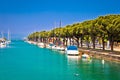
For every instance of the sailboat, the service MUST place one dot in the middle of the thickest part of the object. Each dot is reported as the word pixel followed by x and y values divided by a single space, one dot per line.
pixel 58 47
pixel 2 41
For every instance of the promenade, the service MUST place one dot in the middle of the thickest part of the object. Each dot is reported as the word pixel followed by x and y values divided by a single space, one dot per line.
pixel 106 54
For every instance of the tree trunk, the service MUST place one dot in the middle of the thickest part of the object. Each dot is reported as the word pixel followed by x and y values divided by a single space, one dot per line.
pixel 88 44
pixel 70 40
pixel 66 41
pixel 93 40
pixel 63 41
pixel 93 44
pixel 112 43
pixel 81 42
pixel 77 42
pixel 103 43
pixel 73 41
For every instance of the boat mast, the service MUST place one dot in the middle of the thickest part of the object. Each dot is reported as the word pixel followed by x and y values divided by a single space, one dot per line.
pixel 60 23
pixel 54 33
pixel 35 35
pixel 60 27
pixel 8 35
pixel 39 38
pixel 59 33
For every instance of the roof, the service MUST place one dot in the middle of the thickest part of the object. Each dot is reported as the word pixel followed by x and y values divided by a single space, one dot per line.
pixel 72 47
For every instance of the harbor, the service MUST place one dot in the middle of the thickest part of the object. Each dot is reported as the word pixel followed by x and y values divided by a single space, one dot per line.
pixel 60 40
pixel 90 53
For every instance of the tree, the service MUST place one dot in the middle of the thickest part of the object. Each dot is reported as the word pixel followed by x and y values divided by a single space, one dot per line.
pixel 102 30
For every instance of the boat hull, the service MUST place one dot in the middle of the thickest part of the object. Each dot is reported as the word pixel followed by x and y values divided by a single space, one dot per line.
pixel 72 52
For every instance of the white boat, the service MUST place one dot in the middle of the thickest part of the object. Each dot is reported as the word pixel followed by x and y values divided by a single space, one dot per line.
pixel 8 42
pixel 2 44
pixel 29 42
pixel 49 46
pixel 42 45
pixel 35 43
pixel 85 56
pixel 54 47
pixel 59 48
pixel 72 50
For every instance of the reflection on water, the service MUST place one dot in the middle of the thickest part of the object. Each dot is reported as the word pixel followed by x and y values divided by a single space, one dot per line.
pixel 103 62
pixel 73 59
pixel 86 60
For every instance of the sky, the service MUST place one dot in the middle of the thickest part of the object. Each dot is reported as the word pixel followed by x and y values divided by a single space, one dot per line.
pixel 22 17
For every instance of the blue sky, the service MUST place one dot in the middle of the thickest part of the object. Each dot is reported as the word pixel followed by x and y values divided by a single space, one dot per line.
pixel 22 17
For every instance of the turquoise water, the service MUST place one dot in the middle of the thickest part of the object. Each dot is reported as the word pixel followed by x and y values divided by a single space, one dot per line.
pixel 23 61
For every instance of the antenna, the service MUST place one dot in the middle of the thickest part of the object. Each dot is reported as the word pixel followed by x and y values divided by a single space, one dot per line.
pixel 8 35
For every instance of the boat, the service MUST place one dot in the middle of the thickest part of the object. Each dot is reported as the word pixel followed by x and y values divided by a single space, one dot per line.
pixel 60 48
pixel 49 46
pixel 85 56
pixel 41 45
pixel 54 47
pixel 72 50
pixel 2 43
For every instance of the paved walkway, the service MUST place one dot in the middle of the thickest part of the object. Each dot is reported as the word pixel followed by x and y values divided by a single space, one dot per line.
pixel 115 54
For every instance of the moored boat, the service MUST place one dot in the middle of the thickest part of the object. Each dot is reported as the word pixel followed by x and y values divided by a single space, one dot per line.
pixel 72 50
pixel 85 56
pixel 60 48
pixel 2 43
pixel 42 45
